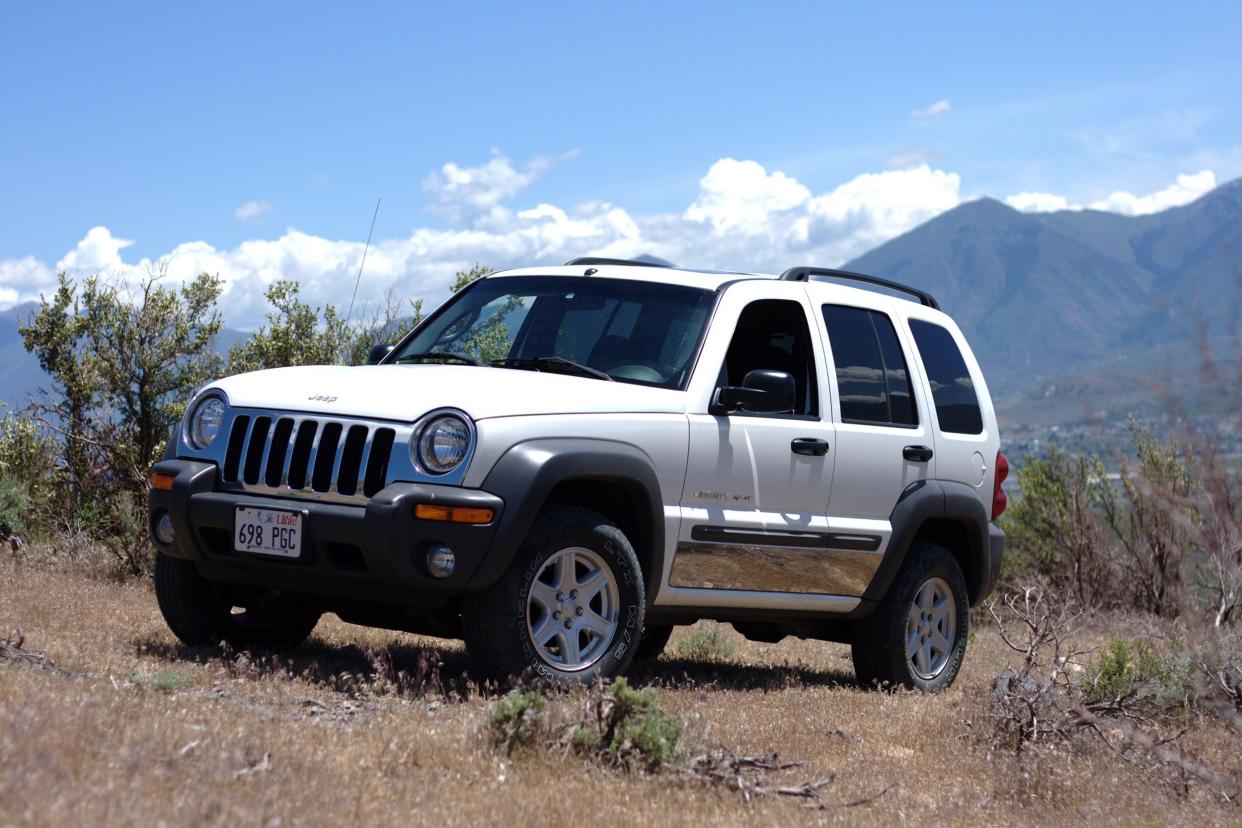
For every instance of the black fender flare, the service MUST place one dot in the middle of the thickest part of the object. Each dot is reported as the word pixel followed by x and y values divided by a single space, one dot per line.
pixel 926 500
pixel 527 473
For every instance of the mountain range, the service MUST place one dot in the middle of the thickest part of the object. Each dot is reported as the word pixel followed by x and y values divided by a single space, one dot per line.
pixel 1074 304
pixel 1091 308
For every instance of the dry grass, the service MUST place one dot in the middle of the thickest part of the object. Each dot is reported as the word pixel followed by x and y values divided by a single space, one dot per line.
pixel 135 729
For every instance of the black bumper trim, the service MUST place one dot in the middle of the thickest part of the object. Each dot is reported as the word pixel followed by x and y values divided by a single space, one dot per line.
pixel 373 553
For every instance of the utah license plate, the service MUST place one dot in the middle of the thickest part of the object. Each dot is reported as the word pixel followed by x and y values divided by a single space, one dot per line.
pixel 268 532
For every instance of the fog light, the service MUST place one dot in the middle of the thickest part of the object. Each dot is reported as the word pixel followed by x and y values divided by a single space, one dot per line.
pixel 440 561
pixel 164 529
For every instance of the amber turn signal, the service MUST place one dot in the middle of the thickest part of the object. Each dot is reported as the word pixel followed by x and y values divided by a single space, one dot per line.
pixel 453 514
pixel 162 482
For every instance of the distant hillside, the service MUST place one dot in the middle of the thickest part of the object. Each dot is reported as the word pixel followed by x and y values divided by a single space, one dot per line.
pixel 1074 293
pixel 20 374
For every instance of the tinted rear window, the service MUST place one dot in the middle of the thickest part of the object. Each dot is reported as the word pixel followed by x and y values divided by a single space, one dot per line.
pixel 957 404
pixel 872 379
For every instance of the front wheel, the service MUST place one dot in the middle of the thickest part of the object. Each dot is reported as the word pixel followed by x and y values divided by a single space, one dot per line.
pixel 569 608
pixel 202 614
pixel 916 637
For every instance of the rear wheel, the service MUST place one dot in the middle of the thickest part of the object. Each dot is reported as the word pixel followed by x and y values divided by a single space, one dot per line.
pixel 916 637
pixel 202 614
pixel 569 608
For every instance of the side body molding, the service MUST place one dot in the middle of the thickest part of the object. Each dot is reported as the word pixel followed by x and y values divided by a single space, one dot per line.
pixel 528 472
pixel 943 500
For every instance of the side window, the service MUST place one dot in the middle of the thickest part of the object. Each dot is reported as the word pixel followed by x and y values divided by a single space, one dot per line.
pixel 773 334
pixel 957 404
pixel 873 381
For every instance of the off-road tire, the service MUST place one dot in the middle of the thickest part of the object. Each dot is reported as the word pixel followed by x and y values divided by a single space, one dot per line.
pixel 879 641
pixel 495 621
pixel 199 616
pixel 654 639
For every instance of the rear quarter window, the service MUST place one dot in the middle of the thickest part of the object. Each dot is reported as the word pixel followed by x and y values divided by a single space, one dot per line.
pixel 872 381
pixel 953 390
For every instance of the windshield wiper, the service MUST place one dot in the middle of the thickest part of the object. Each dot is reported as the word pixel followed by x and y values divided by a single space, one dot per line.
pixel 552 361
pixel 448 355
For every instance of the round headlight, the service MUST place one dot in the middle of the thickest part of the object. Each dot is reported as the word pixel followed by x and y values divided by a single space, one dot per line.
pixel 443 444
pixel 205 422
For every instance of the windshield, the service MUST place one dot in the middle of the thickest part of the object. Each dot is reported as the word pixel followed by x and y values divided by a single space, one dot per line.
pixel 628 331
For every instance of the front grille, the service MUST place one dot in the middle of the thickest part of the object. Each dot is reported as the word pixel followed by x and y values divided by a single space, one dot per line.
pixel 295 456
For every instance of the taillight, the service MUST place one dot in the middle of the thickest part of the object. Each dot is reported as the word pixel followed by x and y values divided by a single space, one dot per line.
pixel 999 501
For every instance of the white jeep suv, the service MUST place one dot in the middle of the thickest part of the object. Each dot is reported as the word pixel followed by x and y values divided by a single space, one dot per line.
pixel 562 463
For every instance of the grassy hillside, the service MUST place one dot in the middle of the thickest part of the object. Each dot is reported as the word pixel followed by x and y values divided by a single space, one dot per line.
pixel 364 727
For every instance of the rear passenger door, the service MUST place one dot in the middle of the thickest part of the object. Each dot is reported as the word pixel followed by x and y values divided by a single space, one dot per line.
pixel 884 436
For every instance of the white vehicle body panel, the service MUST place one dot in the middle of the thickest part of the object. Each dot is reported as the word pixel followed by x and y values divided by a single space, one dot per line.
pixel 871 473
pixel 404 393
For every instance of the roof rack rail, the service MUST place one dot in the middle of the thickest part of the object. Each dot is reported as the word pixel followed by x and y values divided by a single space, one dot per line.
pixel 804 274
pixel 596 260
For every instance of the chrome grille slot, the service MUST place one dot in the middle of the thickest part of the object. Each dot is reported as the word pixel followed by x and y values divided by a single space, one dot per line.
pixel 300 458
pixel 232 457
pixel 377 461
pixel 323 458
pixel 279 447
pixel 256 444
pixel 351 460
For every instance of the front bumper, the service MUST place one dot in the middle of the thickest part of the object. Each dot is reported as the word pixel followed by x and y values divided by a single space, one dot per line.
pixel 373 553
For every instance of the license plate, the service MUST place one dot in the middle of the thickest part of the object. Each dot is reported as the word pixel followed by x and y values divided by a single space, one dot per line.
pixel 268 532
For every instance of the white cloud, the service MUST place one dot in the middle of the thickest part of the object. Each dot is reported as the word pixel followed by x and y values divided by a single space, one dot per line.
pixel 459 191
pixel 98 252
pixel 874 207
pixel 1185 190
pixel 23 280
pixel 1039 202
pixel 253 211
pixel 742 195
pixel 940 107
pixel 743 217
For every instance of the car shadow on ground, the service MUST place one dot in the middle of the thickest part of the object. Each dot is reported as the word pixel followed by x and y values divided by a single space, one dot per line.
pixel 682 673
pixel 405 669
pixel 419 670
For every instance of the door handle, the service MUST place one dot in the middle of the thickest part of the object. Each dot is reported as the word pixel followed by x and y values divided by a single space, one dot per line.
pixel 917 454
pixel 809 445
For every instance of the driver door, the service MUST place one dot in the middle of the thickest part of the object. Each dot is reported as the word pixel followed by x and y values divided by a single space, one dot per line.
pixel 755 501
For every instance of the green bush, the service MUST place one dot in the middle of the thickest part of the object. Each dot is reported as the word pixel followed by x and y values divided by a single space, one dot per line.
pixel 14 504
pixel 1134 671
pixel 629 728
pixel 617 726
pixel 518 719
pixel 1055 532
pixel 706 643
pixel 31 477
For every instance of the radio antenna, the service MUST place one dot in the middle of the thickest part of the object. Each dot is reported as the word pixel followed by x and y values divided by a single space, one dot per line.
pixel 363 263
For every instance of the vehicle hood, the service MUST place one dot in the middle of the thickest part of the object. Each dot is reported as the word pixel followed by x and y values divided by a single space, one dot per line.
pixel 406 392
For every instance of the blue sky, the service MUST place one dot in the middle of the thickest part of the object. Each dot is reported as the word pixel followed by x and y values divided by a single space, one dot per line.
pixel 158 123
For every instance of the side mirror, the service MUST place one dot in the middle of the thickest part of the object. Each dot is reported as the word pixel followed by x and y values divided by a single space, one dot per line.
pixel 761 392
pixel 377 353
